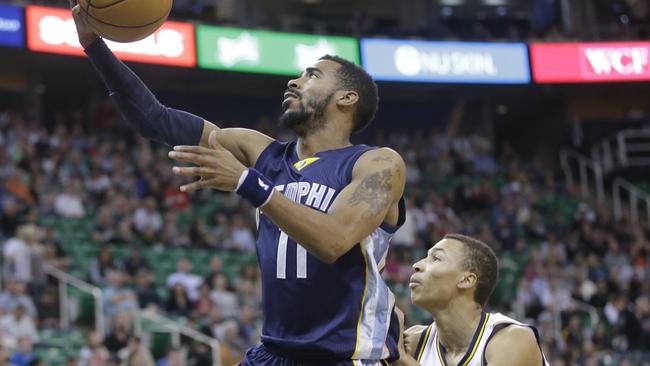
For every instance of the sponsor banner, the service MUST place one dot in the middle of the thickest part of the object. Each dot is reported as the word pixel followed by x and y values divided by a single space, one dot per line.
pixel 237 49
pixel 52 30
pixel 590 62
pixel 446 62
pixel 11 26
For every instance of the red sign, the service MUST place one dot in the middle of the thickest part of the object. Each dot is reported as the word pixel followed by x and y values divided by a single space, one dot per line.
pixel 590 62
pixel 52 30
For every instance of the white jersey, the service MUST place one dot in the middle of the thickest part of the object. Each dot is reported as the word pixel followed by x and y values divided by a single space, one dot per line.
pixel 430 352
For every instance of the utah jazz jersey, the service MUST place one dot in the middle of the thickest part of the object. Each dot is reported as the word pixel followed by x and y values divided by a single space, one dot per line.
pixel 312 310
pixel 430 352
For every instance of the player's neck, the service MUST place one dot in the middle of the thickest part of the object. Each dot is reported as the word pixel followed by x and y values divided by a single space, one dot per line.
pixel 321 140
pixel 456 324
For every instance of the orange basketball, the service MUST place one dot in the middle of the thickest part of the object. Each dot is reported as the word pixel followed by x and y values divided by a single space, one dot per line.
pixel 125 20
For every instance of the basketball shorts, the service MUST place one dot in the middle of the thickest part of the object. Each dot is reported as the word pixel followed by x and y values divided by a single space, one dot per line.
pixel 260 356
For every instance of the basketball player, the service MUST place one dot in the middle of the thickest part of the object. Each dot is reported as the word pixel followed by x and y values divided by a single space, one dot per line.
pixel 453 283
pixel 328 209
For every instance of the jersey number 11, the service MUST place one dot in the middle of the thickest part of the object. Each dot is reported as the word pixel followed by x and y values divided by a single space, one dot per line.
pixel 301 258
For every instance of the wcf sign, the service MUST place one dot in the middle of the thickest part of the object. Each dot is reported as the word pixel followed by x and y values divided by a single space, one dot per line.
pixel 590 62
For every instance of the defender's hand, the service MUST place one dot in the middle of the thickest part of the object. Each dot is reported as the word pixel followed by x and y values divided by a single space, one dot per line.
pixel 217 167
pixel 85 33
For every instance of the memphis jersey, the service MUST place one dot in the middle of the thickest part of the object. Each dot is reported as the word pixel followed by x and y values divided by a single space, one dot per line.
pixel 317 311
pixel 430 352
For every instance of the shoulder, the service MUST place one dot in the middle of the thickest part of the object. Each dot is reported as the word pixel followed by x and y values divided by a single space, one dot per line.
pixel 514 345
pixel 379 160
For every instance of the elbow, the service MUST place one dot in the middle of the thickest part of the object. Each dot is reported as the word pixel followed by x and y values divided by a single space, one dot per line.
pixel 334 251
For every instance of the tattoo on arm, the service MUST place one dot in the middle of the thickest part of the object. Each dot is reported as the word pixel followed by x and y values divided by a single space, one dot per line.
pixel 375 191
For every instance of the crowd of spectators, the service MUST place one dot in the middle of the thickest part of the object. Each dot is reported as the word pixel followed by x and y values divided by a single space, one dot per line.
pixel 571 270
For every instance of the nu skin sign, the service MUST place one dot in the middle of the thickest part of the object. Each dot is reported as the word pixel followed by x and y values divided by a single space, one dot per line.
pixel 446 62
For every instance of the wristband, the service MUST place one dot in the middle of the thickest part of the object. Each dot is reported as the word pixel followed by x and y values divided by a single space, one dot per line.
pixel 255 187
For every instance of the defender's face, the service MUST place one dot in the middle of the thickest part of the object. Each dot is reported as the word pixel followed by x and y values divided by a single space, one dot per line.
pixel 436 278
pixel 310 94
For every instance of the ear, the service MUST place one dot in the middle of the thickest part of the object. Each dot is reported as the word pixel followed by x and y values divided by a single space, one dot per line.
pixel 468 280
pixel 347 98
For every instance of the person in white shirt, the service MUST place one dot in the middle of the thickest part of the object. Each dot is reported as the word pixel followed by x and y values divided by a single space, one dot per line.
pixel 17 253
pixel 190 281
pixel 18 325
pixel 147 218
pixel 70 203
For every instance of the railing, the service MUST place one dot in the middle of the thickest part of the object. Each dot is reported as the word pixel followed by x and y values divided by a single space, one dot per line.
pixel 164 324
pixel 66 280
pixel 628 148
pixel 636 198
pixel 589 183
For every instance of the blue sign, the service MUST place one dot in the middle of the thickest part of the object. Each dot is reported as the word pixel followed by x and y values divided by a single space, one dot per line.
pixel 12 25
pixel 446 62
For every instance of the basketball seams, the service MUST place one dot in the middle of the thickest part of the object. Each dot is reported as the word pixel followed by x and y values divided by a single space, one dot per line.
pixel 104 6
pixel 90 16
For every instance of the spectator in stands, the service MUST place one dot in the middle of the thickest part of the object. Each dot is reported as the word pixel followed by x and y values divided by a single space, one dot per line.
pixel 200 234
pixel 147 220
pixel 242 238
pixel 4 356
pixel 137 354
pixel 188 280
pixel 17 254
pixel 174 357
pixel 146 290
pixel 178 301
pixel 221 231
pixel 216 267
pixel 54 253
pixel 248 329
pixel 232 345
pixel 70 204
pixel 101 266
pixel 120 334
pixel 19 325
pixel 25 353
pixel 134 263
pixel 116 298
pixel 72 361
pixel 94 353
pixel 223 297
pixel 204 304
pixel 14 296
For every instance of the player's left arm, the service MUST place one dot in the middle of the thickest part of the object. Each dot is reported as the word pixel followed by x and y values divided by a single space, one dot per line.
pixel 377 184
pixel 514 346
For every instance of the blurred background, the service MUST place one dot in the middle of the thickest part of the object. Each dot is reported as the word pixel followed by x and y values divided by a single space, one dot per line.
pixel 523 123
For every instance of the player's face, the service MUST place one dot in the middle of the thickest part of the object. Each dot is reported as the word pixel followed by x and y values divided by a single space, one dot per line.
pixel 436 278
pixel 307 97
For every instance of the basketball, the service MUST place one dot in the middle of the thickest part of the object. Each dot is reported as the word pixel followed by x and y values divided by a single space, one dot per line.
pixel 125 20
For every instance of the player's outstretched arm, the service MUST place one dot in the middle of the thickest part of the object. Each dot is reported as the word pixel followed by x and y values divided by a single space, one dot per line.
pixel 145 114
pixel 514 346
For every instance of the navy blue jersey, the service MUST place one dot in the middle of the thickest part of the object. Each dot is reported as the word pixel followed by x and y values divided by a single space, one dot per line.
pixel 313 310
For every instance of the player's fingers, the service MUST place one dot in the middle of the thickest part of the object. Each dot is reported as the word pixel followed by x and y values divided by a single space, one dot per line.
pixel 193 171
pixel 73 3
pixel 192 149
pixel 194 186
pixel 187 156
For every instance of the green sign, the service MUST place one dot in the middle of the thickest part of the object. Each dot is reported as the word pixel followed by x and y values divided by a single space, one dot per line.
pixel 246 50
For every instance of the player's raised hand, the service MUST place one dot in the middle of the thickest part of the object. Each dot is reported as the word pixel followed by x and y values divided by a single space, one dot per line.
pixel 217 167
pixel 85 33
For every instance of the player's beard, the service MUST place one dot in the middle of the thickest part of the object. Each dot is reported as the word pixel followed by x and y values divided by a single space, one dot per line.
pixel 294 118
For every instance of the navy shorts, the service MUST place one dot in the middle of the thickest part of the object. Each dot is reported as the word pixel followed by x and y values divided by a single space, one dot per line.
pixel 260 356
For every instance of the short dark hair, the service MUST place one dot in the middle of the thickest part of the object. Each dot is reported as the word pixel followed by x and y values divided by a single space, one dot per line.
pixel 353 77
pixel 481 260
